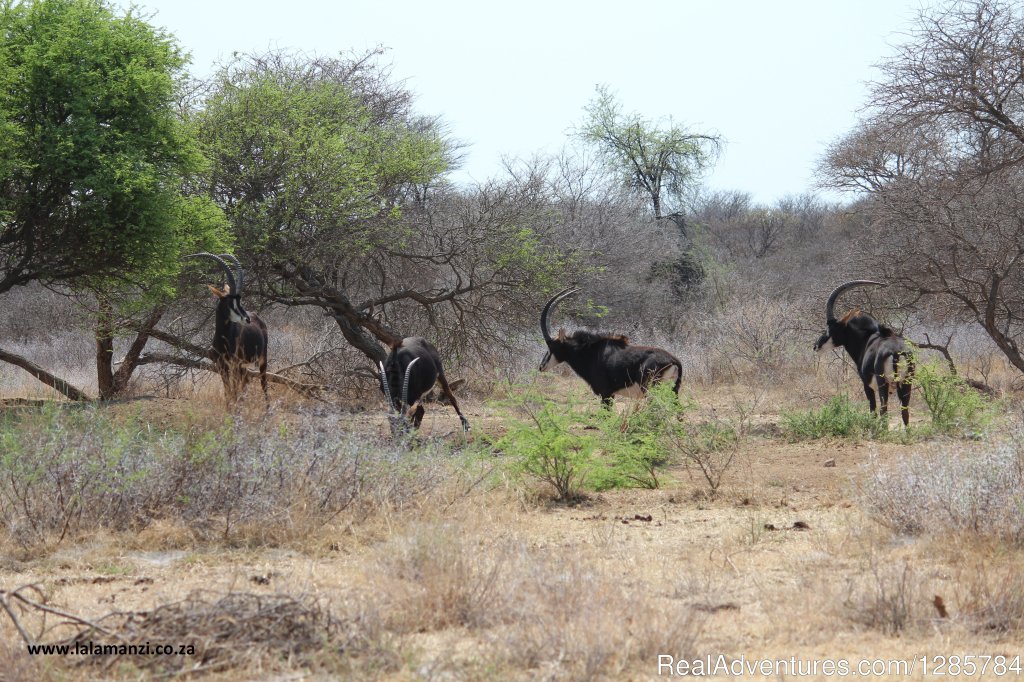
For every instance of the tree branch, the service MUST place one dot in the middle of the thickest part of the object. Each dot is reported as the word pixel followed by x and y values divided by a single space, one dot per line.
pixel 308 390
pixel 50 380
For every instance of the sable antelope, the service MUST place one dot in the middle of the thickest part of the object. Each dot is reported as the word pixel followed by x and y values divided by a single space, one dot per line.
pixel 239 339
pixel 415 359
pixel 880 354
pixel 608 363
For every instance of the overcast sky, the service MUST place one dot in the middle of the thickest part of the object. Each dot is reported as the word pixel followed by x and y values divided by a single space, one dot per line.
pixel 778 80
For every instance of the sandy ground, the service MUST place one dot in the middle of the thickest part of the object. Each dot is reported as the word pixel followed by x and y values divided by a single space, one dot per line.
pixel 780 565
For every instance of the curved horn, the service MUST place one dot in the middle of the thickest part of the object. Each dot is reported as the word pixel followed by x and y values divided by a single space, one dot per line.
pixel 831 304
pixel 564 293
pixel 386 386
pixel 405 384
pixel 239 273
pixel 220 262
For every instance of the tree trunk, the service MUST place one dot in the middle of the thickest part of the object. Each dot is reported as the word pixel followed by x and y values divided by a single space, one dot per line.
pixel 111 383
pixel 1006 344
pixel 360 329
pixel 104 333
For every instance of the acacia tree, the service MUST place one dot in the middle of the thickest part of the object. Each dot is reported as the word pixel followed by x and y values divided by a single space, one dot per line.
pixel 660 162
pixel 940 158
pixel 93 155
pixel 336 193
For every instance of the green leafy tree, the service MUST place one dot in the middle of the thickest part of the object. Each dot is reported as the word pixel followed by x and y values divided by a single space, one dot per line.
pixel 93 154
pixel 335 190
pixel 659 162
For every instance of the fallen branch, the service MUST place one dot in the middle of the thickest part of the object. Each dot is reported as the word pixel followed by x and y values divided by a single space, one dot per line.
pixel 56 383
pixel 44 608
pixel 308 390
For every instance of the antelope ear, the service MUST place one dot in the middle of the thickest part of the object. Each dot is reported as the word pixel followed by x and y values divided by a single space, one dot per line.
pixel 561 335
pixel 217 292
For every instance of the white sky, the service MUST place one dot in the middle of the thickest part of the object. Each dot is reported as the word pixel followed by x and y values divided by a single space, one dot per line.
pixel 779 80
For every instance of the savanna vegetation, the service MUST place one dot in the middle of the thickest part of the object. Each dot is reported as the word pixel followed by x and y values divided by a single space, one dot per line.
pixel 761 513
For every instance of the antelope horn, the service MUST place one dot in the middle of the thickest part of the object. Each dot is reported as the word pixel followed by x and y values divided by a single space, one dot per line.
pixel 387 387
pixel 239 273
pixel 831 304
pixel 405 384
pixel 220 262
pixel 564 293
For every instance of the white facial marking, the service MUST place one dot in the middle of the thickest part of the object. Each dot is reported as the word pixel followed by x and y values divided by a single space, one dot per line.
pixel 549 362
pixel 828 345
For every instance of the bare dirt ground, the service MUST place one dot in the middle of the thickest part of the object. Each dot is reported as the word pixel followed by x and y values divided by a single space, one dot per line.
pixel 781 564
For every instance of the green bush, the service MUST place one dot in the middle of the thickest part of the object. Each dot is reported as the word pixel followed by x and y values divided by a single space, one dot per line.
pixel 837 419
pixel 639 442
pixel 955 408
pixel 582 446
pixel 549 448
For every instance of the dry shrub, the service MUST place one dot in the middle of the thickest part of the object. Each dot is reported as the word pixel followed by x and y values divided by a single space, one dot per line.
pixel 436 581
pixel 575 623
pixel 205 632
pixel 547 613
pixel 991 599
pixel 17 666
pixel 275 479
pixel 888 597
pixel 953 487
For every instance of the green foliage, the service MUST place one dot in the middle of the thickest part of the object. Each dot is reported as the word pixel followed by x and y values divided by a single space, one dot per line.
pixel 639 442
pixel 93 154
pixel 659 162
pixel 954 406
pixel 303 159
pixel 837 419
pixel 583 446
pixel 550 447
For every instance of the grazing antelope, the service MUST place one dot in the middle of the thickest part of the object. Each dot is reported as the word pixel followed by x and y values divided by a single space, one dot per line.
pixel 608 363
pixel 880 354
pixel 415 359
pixel 239 339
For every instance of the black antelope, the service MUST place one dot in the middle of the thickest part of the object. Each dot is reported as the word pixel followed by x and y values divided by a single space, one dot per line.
pixel 609 363
pixel 239 338
pixel 880 354
pixel 409 372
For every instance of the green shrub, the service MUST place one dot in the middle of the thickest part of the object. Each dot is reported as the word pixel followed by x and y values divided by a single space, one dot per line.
pixel 837 419
pixel 549 448
pixel 582 446
pixel 955 408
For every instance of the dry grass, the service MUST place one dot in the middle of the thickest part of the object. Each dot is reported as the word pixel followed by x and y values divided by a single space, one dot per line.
pixel 526 609
pixel 431 564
